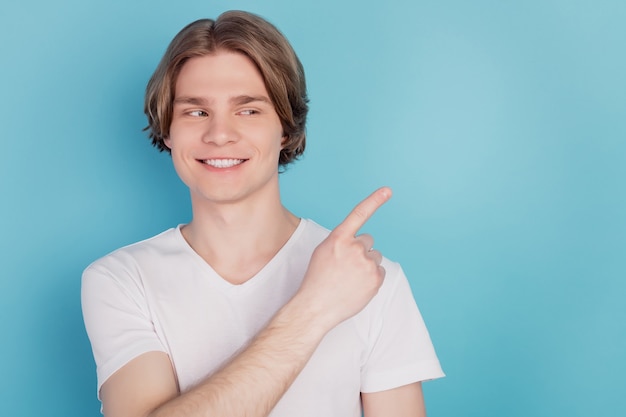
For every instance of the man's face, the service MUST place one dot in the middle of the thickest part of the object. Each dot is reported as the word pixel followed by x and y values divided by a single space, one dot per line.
pixel 225 135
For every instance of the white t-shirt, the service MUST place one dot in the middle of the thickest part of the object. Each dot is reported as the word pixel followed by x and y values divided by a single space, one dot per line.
pixel 160 295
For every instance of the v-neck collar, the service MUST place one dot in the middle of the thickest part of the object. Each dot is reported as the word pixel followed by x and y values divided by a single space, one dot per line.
pixel 225 285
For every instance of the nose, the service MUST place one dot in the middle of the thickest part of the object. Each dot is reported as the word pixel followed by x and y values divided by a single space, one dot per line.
pixel 219 129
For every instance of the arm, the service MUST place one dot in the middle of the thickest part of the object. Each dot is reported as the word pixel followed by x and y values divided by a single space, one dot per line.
pixel 343 276
pixel 251 384
pixel 404 401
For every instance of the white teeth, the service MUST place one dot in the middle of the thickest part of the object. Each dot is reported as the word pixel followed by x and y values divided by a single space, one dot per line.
pixel 223 163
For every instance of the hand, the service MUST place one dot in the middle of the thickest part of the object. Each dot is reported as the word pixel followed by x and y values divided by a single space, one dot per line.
pixel 345 273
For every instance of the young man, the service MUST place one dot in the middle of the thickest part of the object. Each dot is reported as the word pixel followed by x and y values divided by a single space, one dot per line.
pixel 248 310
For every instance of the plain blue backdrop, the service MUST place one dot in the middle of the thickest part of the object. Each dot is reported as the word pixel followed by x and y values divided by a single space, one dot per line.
pixel 500 125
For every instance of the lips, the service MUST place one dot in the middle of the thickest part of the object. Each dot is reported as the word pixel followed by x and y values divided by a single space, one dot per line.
pixel 223 162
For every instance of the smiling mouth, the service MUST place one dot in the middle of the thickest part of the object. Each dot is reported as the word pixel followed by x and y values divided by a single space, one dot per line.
pixel 223 163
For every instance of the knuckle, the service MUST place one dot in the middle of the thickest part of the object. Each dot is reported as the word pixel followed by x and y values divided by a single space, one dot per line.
pixel 360 212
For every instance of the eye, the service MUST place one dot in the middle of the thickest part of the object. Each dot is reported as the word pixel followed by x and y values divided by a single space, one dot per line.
pixel 197 113
pixel 248 112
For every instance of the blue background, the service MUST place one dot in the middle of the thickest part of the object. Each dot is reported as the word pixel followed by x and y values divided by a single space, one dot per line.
pixel 500 125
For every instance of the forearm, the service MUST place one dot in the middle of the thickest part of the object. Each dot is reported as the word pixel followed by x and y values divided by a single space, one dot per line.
pixel 344 274
pixel 255 380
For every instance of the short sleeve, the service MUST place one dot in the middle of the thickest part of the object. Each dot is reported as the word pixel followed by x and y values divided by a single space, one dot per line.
pixel 400 349
pixel 117 316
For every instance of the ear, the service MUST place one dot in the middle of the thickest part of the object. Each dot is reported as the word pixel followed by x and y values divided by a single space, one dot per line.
pixel 167 142
pixel 284 140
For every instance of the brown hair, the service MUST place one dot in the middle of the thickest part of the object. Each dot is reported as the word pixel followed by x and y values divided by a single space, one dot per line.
pixel 262 43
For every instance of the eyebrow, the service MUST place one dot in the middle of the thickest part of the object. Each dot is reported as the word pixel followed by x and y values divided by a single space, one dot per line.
pixel 196 101
pixel 245 99
pixel 236 100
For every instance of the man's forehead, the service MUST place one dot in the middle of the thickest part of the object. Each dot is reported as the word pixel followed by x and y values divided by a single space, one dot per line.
pixel 225 76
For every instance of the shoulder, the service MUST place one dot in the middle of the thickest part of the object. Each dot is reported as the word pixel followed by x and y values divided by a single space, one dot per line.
pixel 313 232
pixel 130 259
pixel 395 285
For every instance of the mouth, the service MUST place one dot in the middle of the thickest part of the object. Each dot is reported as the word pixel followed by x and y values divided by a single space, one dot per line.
pixel 223 162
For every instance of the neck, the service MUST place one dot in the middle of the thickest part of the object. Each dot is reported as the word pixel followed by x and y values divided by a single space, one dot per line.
pixel 238 238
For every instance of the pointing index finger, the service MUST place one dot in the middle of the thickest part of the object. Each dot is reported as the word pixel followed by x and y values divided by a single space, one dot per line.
pixel 363 211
